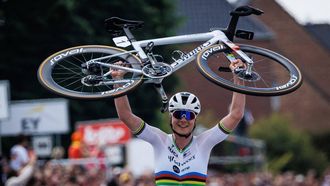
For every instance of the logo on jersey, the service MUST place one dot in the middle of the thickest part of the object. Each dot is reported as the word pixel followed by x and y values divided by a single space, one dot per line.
pixel 176 169
pixel 185 154
pixel 172 150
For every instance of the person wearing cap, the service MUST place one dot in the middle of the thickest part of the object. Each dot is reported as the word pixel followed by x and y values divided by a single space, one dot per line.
pixel 182 158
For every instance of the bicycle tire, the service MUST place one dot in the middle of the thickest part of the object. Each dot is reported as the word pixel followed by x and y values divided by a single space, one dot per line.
pixel 287 77
pixel 62 71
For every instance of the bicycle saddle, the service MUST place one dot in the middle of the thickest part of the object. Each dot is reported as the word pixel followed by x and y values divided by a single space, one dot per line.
pixel 246 11
pixel 115 25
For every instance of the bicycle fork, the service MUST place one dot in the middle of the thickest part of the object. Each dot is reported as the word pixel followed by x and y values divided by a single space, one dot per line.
pixel 246 59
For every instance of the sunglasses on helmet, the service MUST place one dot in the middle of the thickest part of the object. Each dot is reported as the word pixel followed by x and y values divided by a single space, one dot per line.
pixel 188 115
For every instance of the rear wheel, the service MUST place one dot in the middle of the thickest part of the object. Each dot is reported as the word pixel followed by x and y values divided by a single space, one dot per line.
pixel 272 74
pixel 66 73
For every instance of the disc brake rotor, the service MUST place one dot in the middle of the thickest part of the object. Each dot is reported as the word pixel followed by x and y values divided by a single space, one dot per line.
pixel 254 76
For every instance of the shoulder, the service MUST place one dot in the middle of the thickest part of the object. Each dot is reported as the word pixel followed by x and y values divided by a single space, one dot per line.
pixel 213 135
pixel 150 133
pixel 16 148
pixel 146 128
pixel 216 130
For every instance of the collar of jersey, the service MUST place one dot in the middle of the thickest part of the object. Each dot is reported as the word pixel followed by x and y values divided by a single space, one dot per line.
pixel 185 148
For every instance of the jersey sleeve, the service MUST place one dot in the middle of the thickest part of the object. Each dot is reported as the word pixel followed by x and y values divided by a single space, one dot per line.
pixel 208 139
pixel 151 134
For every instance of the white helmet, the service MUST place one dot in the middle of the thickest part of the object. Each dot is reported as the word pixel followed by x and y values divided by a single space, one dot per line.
pixel 184 101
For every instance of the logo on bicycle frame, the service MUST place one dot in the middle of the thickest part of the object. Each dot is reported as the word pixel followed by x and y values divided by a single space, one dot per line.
pixel 65 54
pixel 211 50
pixel 192 53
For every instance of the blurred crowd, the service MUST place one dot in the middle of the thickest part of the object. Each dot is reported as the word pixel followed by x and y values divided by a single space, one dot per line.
pixel 268 179
pixel 53 174
pixel 23 168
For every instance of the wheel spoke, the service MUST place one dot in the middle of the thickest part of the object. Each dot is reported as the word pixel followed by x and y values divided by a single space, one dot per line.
pixel 72 64
pixel 72 83
pixel 78 73
pixel 66 75
pixel 269 70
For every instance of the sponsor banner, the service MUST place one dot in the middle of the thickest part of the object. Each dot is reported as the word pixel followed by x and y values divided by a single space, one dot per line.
pixel 42 145
pixel 106 132
pixel 37 117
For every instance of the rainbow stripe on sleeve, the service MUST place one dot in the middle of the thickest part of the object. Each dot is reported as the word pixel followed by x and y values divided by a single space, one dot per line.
pixel 169 178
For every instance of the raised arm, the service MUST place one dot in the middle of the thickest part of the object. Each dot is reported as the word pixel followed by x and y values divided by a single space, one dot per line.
pixel 125 114
pixel 237 106
pixel 123 107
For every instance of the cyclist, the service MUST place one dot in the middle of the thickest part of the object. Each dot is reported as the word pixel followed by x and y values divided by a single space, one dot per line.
pixel 180 157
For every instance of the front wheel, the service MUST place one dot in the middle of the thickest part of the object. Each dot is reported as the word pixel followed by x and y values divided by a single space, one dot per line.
pixel 74 73
pixel 272 73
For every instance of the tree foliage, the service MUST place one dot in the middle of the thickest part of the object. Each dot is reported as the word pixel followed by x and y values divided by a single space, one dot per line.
pixel 287 147
pixel 34 30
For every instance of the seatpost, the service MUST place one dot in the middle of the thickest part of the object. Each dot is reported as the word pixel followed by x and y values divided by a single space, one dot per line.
pixel 230 31
pixel 129 34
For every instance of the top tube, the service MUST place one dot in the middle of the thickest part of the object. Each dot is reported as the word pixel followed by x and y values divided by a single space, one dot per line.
pixel 180 39
pixel 216 34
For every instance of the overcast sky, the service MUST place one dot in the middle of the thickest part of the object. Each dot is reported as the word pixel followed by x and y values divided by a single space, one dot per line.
pixel 306 11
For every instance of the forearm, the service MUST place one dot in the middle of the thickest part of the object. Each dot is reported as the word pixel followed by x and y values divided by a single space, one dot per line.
pixel 123 107
pixel 236 111
pixel 237 106
pixel 125 114
pixel 24 176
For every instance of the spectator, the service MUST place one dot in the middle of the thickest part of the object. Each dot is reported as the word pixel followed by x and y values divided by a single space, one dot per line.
pixel 114 181
pixel 24 174
pixel 126 179
pixel 146 179
pixel 5 170
pixel 326 177
pixel 58 153
pixel 19 153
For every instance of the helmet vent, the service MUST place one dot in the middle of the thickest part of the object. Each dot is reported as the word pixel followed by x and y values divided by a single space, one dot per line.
pixel 184 99
pixel 194 100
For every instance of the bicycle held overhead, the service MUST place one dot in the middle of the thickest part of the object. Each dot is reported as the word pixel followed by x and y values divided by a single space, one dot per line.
pixel 83 71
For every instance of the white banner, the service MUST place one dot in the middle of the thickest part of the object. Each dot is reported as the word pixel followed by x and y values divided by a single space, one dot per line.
pixel 4 99
pixel 42 145
pixel 140 156
pixel 115 154
pixel 49 116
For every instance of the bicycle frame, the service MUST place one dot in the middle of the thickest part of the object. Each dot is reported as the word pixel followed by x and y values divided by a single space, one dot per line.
pixel 211 38
pixel 146 67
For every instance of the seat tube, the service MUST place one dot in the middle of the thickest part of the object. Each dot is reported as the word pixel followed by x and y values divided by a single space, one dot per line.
pixel 129 34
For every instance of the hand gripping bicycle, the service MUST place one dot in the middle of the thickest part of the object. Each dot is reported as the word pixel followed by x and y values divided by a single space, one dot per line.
pixel 84 71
